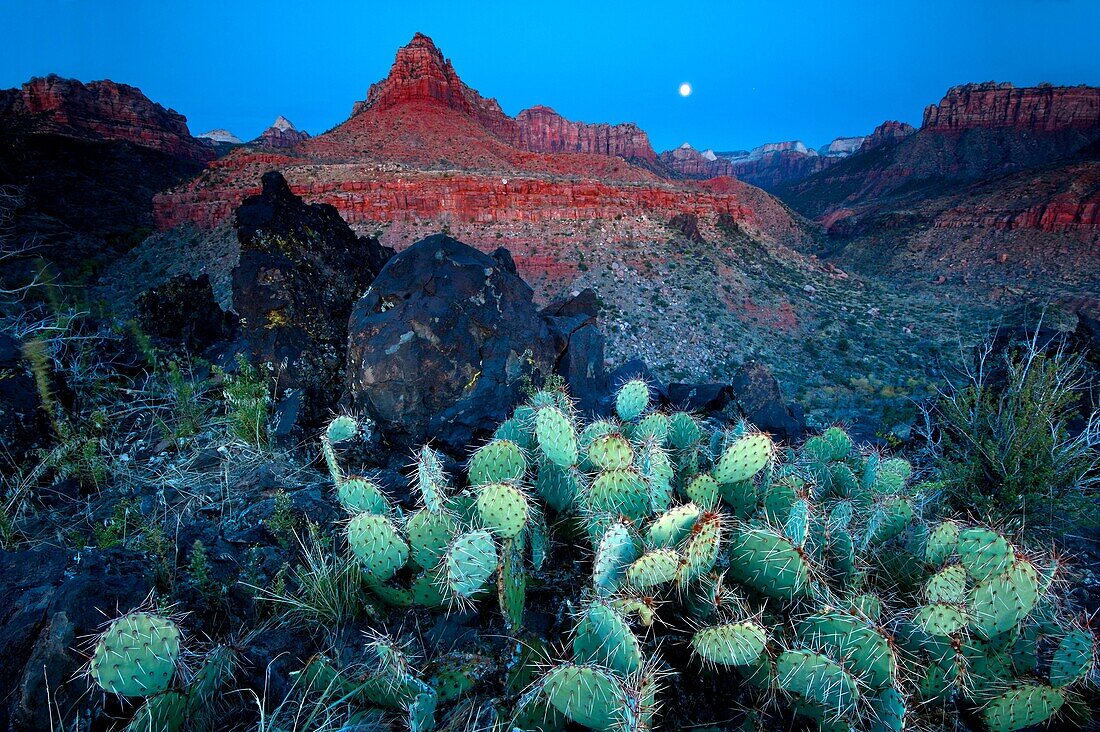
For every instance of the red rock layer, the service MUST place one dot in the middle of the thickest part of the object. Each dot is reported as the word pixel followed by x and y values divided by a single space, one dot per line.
pixel 378 196
pixel 1041 108
pixel 102 110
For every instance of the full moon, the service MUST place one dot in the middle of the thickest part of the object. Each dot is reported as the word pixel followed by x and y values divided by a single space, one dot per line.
pixel 685 89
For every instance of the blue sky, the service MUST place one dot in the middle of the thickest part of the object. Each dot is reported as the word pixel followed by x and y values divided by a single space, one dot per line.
pixel 761 71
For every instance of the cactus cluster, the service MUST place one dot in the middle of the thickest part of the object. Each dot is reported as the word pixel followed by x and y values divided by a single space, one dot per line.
pixel 813 573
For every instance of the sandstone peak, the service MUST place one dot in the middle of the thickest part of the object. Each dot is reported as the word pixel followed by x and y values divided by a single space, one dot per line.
pixel 282 123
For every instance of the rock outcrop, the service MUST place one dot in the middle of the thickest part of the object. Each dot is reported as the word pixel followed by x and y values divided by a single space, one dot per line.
pixel 281 134
pixel 439 345
pixel 100 110
pixel 1042 108
pixel 301 269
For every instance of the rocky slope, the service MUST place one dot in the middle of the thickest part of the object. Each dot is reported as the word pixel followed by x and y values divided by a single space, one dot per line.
pixel 998 189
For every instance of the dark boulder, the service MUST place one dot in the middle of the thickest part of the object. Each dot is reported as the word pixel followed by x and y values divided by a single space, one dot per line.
pixel 441 343
pixel 701 398
pixel 760 401
pixel 183 311
pixel 301 270
pixel 582 364
pixel 47 615
pixel 23 423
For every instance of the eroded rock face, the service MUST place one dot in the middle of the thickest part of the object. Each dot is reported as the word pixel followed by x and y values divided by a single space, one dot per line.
pixel 439 345
pixel 301 268
pixel 102 110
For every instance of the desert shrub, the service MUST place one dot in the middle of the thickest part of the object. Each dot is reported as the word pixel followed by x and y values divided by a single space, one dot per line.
pixel 248 404
pixel 1006 443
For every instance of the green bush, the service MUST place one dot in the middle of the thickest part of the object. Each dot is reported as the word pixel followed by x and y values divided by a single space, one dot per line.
pixel 1003 444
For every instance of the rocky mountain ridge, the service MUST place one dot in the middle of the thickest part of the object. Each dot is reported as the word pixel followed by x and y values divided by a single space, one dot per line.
pixel 424 149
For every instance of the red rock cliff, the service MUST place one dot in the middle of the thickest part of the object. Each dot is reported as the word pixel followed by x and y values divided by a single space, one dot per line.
pixel 103 110
pixel 1042 108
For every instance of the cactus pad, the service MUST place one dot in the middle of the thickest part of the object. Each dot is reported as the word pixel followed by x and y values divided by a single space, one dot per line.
pixel 469 562
pixel 653 568
pixel 941 543
pixel 864 650
pixel 376 543
pixel 610 452
pixel 673 526
pixel 136 655
pixel 587 695
pixel 620 491
pixel 341 428
pixel 984 553
pixel 429 534
pixel 683 431
pixel 744 458
pixel 947 585
pixel 1003 600
pixel 703 490
pixel 556 436
pixel 1073 658
pixel 730 644
pixel 1022 706
pixel 769 563
pixel 941 619
pixel 360 495
pixel 616 551
pixel 503 509
pixel 701 551
pixel 631 400
pixel 604 639
pixel 818 682
pixel 499 461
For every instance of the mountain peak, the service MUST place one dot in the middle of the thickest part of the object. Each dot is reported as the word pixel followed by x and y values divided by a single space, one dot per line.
pixel 282 123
